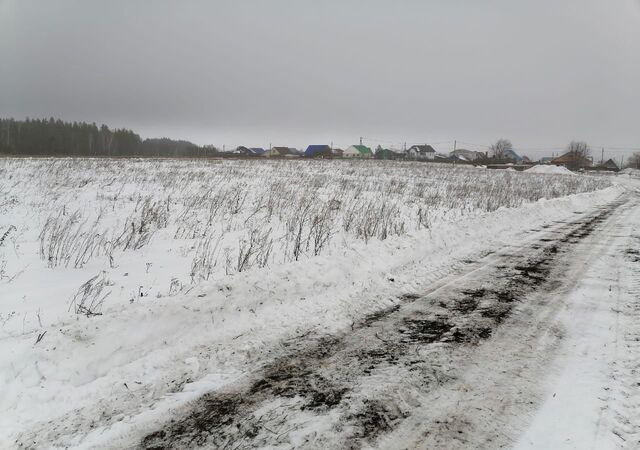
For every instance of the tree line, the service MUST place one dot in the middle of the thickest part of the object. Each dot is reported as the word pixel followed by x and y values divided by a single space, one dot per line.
pixel 51 137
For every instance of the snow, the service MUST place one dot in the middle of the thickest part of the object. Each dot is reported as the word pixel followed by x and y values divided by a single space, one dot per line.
pixel 591 392
pixel 549 169
pixel 163 336
pixel 630 172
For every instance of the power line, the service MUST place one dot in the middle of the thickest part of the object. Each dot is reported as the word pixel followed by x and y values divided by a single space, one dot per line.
pixel 471 143
pixel 556 149
pixel 381 141
pixel 619 148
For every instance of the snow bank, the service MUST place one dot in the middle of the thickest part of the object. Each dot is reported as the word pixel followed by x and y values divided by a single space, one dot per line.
pixel 630 172
pixel 550 169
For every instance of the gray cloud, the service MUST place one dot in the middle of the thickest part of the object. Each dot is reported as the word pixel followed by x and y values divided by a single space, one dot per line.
pixel 301 71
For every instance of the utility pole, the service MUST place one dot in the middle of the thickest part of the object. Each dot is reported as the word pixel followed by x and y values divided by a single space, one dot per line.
pixel 455 144
pixel 360 140
pixel 602 158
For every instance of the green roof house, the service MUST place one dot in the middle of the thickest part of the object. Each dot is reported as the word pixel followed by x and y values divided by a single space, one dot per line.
pixel 385 153
pixel 358 151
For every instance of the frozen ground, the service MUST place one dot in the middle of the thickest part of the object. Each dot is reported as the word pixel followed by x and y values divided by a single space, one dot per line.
pixel 299 304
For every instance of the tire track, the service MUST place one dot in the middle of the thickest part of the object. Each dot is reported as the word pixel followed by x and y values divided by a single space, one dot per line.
pixel 352 384
pixel 625 398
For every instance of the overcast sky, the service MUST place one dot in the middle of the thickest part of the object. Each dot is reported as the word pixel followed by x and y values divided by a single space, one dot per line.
pixel 295 72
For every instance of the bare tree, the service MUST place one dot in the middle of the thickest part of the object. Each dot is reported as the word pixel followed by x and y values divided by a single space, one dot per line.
pixel 579 148
pixel 501 147
pixel 634 161
pixel 578 155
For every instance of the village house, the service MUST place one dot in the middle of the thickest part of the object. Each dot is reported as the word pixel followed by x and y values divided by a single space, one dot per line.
pixel 246 151
pixel 609 164
pixel 511 155
pixel 572 161
pixel 358 151
pixel 318 151
pixel 280 152
pixel 421 152
pixel 275 152
pixel 466 155
pixel 385 153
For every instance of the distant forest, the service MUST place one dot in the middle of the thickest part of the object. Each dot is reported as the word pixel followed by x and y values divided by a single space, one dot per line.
pixel 50 137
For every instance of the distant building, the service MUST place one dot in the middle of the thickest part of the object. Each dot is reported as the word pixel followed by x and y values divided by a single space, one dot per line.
pixel 572 161
pixel 511 155
pixel 421 152
pixel 246 151
pixel 337 152
pixel 280 152
pixel 318 151
pixel 545 160
pixel 385 153
pixel 358 151
pixel 609 164
pixel 466 155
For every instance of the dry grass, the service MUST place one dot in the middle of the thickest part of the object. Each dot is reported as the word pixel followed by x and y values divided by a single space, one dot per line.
pixel 225 217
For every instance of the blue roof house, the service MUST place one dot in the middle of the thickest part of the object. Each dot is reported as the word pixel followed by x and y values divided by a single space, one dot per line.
pixel 318 151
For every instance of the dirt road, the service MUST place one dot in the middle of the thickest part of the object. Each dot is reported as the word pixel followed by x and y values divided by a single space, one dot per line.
pixel 456 367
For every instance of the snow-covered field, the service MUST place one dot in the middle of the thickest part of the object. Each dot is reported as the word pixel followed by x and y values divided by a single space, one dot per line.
pixel 129 287
pixel 88 236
